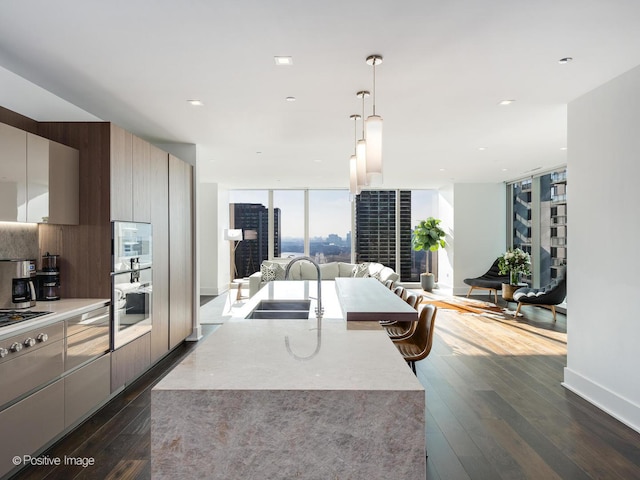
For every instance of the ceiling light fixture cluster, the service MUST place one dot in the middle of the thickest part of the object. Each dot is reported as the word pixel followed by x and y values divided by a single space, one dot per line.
pixel 365 165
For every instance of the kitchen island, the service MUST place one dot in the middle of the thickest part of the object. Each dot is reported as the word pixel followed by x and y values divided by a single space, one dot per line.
pixel 297 398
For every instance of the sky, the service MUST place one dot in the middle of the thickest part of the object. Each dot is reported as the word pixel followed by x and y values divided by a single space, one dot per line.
pixel 329 210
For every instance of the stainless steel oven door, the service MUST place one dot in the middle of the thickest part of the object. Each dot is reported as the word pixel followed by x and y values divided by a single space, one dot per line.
pixel 131 306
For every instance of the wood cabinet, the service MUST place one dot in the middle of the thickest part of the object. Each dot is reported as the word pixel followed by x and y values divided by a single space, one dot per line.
pixel 52 182
pixel 38 179
pixel 130 361
pixel 13 174
pixel 180 250
pixel 130 177
pixel 141 178
pixel 159 191
pixel 86 389
pixel 121 181
pixel 31 423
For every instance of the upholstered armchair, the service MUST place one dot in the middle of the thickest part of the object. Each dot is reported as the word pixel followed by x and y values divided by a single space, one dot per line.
pixel 549 295
pixel 492 280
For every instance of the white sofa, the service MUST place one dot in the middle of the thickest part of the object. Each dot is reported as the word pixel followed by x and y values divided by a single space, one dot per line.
pixel 304 270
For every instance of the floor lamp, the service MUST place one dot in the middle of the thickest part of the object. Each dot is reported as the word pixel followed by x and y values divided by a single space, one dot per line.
pixel 233 235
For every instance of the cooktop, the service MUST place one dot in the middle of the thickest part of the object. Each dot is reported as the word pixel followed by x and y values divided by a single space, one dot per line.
pixel 9 317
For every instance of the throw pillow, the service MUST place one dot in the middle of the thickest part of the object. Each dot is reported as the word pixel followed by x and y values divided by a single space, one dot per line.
pixel 268 272
pixel 361 270
pixel 279 271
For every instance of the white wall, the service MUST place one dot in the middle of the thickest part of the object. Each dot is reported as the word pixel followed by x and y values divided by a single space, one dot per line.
pixel 446 255
pixel 603 324
pixel 214 250
pixel 479 226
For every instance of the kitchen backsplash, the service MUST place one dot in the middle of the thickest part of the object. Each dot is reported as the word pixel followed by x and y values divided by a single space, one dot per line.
pixel 18 240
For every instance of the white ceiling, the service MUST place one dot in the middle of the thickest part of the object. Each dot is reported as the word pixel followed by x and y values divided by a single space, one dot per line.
pixel 446 66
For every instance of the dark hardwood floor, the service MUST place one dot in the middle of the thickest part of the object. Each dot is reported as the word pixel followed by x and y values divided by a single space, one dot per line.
pixel 495 410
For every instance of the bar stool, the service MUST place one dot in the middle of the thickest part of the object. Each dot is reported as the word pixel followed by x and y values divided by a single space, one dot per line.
pixel 418 346
pixel 400 330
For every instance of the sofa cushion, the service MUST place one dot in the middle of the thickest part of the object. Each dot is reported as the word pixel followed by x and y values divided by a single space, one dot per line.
pixel 329 271
pixel 308 271
pixel 375 269
pixel 345 269
pixel 387 273
pixel 295 272
pixel 360 270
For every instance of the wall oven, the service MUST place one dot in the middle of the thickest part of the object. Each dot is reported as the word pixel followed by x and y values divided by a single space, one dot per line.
pixel 131 280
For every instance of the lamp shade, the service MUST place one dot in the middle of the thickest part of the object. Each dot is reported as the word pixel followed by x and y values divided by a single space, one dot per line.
pixel 233 234
pixel 361 162
pixel 373 127
pixel 250 234
pixel 354 189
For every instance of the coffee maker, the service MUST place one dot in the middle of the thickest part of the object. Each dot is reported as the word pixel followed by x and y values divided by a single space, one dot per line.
pixel 49 279
pixel 16 284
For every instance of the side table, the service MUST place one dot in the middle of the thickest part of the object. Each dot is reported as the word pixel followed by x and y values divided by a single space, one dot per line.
pixel 240 282
pixel 508 290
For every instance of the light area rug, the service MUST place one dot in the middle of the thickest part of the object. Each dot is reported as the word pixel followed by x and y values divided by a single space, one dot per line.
pixel 468 305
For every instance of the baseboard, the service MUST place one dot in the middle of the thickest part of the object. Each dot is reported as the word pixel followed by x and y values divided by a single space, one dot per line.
pixel 618 407
pixel 208 291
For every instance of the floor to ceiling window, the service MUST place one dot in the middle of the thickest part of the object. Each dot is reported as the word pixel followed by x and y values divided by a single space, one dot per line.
pixel 538 223
pixel 330 225
pixel 424 204
pixel 248 212
pixel 290 230
pixel 319 223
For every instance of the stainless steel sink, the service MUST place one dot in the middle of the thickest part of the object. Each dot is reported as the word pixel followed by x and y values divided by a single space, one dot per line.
pixel 285 309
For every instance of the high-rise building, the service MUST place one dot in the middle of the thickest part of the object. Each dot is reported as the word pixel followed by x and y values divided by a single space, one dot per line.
pixel 253 220
pixel 376 229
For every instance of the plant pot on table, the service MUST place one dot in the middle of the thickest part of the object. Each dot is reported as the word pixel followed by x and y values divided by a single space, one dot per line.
pixel 508 290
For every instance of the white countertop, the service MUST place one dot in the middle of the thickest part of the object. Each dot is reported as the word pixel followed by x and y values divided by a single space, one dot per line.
pixel 246 354
pixel 61 310
pixel 252 355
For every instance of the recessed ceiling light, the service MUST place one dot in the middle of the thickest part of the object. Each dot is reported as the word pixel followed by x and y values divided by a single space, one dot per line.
pixel 563 148
pixel 442 169
pixel 290 99
pixel 195 103
pixel 280 61
pixel 565 60
pixel 482 149
pixel 506 102
pixel 504 169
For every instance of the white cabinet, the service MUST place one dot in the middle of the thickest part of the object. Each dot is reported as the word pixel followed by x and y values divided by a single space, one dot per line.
pixel 52 182
pixel 38 179
pixel 13 174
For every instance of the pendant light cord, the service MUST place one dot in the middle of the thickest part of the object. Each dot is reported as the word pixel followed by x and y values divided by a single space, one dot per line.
pixel 374 87
pixel 363 95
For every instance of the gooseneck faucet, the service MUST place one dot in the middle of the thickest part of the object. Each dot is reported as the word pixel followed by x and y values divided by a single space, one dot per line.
pixel 319 309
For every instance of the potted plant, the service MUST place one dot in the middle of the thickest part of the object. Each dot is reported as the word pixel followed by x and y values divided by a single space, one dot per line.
pixel 513 262
pixel 428 236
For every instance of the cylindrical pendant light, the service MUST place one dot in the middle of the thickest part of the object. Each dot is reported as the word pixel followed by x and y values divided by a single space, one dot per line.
pixel 374 133
pixel 354 188
pixel 361 146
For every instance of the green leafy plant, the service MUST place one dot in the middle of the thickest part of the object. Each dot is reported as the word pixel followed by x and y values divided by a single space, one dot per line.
pixel 428 236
